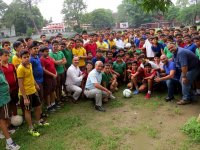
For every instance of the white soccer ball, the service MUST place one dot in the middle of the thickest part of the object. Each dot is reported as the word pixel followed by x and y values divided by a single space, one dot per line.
pixel 16 120
pixel 127 93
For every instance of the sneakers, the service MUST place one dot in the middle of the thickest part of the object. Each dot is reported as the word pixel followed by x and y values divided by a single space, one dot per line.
pixel 148 96
pixel 1 135
pixel 112 97
pixel 42 124
pixel 51 109
pixel 33 132
pixel 56 106
pixel 12 146
pixel 136 92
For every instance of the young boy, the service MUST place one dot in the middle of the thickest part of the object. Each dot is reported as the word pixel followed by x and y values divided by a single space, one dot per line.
pixel 60 62
pixel 109 57
pixel 157 47
pixel 108 80
pixel 50 76
pixel 37 70
pixel 18 47
pixel 10 75
pixel 4 110
pixel 99 57
pixel 149 75
pixel 28 92
pixel 80 52
pixel 137 74
pixel 120 67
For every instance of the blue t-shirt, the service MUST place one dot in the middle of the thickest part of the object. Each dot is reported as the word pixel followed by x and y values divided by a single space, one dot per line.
pixel 183 57
pixel 137 42
pixel 158 48
pixel 191 47
pixel 37 69
pixel 171 66
pixel 94 60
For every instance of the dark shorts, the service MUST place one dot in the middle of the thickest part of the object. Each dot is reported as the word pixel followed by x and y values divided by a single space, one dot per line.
pixel 49 85
pixel 34 101
pixel 5 112
pixel 14 97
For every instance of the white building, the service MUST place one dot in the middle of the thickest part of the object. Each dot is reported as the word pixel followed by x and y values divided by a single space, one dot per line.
pixel 54 28
pixel 7 32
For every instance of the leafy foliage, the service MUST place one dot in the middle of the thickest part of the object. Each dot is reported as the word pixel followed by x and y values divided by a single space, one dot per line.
pixel 153 5
pixel 192 128
pixel 73 10
pixel 130 12
pixel 3 7
pixel 102 18
pixel 18 14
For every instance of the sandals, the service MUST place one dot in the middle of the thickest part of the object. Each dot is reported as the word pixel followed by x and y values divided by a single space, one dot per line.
pixel 183 102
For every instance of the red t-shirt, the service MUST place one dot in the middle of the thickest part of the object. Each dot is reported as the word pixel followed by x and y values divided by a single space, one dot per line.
pixel 108 60
pixel 48 64
pixel 9 73
pixel 148 74
pixel 182 45
pixel 91 47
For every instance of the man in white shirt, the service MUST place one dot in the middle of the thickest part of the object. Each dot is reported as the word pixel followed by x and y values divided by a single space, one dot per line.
pixel 147 45
pixel 74 79
pixel 118 41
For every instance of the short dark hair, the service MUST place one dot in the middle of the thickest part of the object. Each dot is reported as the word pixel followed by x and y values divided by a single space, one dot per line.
pixel 34 44
pixel 21 40
pixel 196 38
pixel 16 44
pixel 187 35
pixel 42 49
pixel 42 35
pixel 23 52
pixel 147 65
pixel 3 52
pixel 27 38
pixel 118 55
pixel 134 62
pixel 54 42
pixel 5 42
pixel 80 40
pixel 107 65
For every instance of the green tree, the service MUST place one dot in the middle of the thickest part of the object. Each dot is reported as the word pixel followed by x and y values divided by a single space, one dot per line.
pixel 188 15
pixel 18 15
pixel 133 14
pixel 30 9
pixel 3 7
pixel 102 18
pixel 153 5
pixel 172 14
pixel 73 11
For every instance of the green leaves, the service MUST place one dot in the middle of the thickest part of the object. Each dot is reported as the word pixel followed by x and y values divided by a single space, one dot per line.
pixel 73 10
pixel 153 5
pixel 18 14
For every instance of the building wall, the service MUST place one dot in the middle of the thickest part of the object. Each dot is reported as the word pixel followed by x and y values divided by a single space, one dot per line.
pixel 8 32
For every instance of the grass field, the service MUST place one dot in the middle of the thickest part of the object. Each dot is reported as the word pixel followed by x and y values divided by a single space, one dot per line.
pixel 128 124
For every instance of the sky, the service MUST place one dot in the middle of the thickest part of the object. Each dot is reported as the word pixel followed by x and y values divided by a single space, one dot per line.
pixel 52 8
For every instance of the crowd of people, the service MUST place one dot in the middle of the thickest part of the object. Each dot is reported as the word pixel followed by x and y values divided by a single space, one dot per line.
pixel 42 75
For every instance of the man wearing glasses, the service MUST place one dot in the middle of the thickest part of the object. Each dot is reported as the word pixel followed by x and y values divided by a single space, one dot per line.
pixel 93 87
pixel 189 65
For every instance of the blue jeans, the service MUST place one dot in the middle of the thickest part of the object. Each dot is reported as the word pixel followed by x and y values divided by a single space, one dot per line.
pixel 171 83
pixel 191 76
